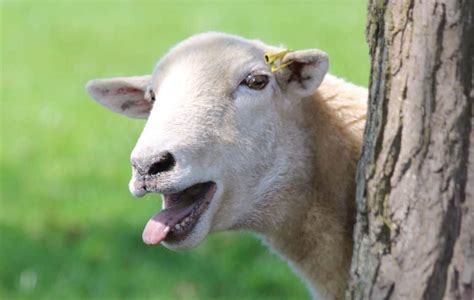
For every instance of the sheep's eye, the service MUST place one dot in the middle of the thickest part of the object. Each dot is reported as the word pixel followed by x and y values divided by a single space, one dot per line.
pixel 256 82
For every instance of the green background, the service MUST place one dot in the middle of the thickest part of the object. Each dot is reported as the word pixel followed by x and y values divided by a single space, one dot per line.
pixel 69 229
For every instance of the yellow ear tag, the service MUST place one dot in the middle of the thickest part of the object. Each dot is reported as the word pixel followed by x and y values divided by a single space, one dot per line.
pixel 272 58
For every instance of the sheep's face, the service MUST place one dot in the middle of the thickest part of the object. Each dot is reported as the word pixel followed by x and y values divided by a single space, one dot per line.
pixel 210 145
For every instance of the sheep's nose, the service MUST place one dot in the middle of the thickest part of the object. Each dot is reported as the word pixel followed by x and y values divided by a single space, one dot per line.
pixel 164 163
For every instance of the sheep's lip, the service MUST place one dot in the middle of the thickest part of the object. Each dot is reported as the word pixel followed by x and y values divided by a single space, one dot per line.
pixel 180 214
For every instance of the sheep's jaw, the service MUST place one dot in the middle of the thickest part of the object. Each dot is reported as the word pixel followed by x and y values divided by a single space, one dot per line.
pixel 180 214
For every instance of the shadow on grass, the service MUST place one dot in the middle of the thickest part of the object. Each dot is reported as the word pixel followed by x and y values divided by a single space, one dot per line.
pixel 98 261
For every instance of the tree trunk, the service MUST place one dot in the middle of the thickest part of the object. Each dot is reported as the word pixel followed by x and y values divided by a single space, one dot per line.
pixel 414 237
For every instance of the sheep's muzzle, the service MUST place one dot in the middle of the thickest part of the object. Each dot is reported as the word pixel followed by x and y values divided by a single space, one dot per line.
pixel 180 214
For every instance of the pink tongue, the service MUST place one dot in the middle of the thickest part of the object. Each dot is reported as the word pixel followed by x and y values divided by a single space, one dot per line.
pixel 160 224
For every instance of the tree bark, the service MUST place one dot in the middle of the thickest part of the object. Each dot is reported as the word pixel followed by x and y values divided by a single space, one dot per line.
pixel 414 237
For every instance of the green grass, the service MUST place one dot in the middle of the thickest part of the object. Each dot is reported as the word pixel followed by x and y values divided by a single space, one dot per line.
pixel 68 227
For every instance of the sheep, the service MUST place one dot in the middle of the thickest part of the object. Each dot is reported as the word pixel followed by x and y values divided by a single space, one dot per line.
pixel 235 143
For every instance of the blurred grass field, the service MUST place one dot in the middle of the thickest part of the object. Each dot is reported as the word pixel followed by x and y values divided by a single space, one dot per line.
pixel 69 229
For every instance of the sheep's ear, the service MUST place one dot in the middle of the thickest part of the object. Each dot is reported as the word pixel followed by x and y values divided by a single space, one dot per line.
pixel 125 95
pixel 304 73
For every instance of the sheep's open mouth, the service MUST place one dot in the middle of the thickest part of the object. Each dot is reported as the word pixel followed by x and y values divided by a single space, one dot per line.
pixel 181 214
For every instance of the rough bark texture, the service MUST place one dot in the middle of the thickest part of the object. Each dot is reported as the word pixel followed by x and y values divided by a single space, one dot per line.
pixel 414 237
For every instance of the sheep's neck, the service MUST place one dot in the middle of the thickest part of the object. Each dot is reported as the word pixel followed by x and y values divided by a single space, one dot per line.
pixel 315 231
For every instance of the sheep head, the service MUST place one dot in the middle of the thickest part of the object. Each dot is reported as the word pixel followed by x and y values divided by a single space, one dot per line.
pixel 216 142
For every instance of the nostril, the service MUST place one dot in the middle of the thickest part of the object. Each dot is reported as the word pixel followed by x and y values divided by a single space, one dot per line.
pixel 165 163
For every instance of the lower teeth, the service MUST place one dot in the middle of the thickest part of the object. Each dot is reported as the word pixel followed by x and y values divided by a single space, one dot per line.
pixel 188 220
